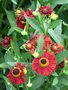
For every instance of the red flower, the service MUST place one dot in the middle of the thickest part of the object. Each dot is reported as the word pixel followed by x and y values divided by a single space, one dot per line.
pixel 6 41
pixel 57 48
pixel 45 64
pixel 47 42
pixel 32 43
pixel 16 74
pixel 45 10
pixel 21 21
pixel 29 13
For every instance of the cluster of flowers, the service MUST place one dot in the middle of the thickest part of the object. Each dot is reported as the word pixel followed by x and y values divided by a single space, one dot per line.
pixel 45 64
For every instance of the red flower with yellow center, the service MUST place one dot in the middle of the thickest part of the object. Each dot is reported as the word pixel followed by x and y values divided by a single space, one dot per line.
pixel 21 21
pixel 17 73
pixel 30 47
pixel 45 64
pixel 45 10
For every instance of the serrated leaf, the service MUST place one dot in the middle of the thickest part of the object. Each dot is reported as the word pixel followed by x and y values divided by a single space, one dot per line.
pixel 61 56
pixel 8 57
pixel 56 37
pixel 55 23
pixel 16 49
pixel 34 23
pixel 58 29
pixel 37 82
pixel 40 43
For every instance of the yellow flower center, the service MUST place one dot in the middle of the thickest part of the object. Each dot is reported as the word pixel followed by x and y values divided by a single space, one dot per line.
pixel 16 72
pixel 28 46
pixel 43 62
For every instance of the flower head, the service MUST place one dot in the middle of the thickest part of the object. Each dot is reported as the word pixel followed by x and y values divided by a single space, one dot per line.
pixel 35 54
pixel 53 16
pixel 18 11
pixel 6 41
pixel 16 74
pixel 45 10
pixel 57 48
pixel 21 21
pixel 45 64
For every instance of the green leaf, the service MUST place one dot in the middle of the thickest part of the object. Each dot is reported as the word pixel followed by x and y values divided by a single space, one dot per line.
pixel 37 82
pixel 14 1
pixel 58 29
pixel 65 69
pixel 40 43
pixel 11 18
pixel 55 81
pixel 59 1
pixel 9 86
pixel 8 57
pixel 34 23
pixel 55 23
pixel 19 30
pixel 61 56
pixel 33 6
pixel 11 30
pixel 26 55
pixel 63 80
pixel 4 65
pixel 56 37
pixel 55 74
pixel 16 49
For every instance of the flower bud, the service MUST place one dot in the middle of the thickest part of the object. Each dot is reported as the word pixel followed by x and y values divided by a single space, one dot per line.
pixel 35 54
pixel 53 16
pixel 29 83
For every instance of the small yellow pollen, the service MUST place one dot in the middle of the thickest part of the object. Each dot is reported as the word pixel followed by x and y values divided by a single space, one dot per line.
pixel 18 11
pixel 35 54
pixel 25 70
pixel 53 16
